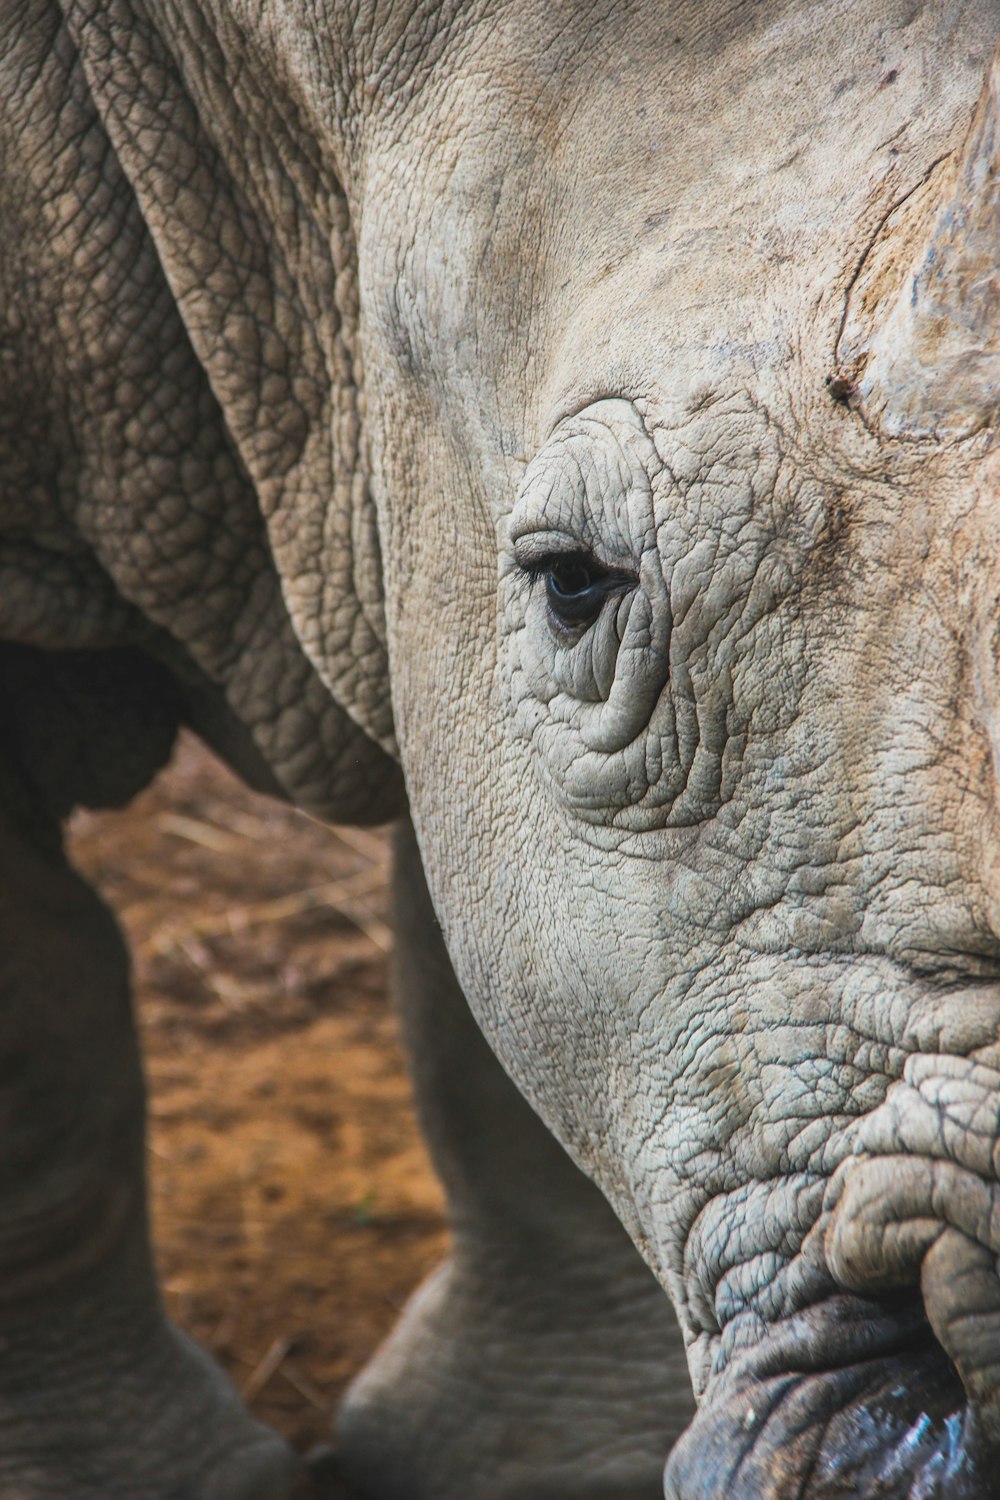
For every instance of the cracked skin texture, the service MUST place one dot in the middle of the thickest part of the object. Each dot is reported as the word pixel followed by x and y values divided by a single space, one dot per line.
pixel 317 321
pixel 135 478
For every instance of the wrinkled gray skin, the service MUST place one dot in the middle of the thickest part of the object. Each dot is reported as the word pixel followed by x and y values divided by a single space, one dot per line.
pixel 330 331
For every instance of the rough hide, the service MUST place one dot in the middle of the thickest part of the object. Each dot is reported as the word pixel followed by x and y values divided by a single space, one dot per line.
pixel 576 421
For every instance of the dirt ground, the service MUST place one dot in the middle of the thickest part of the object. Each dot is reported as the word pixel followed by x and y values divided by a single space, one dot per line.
pixel 293 1205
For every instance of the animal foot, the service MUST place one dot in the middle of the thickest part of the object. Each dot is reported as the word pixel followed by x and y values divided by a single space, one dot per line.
pixel 469 1401
pixel 163 1425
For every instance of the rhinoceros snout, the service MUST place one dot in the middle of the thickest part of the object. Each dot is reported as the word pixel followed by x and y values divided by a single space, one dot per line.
pixel 921 1205
pixel 852 1400
pixel 888 1383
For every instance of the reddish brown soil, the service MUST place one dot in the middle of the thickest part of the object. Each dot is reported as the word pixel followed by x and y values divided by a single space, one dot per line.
pixel 293 1205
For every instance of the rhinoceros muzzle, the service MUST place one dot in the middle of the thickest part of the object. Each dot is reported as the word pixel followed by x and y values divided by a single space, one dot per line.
pixel 853 1398
pixel 887 1382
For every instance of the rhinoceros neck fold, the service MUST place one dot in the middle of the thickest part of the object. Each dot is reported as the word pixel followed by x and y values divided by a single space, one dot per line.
pixel 254 239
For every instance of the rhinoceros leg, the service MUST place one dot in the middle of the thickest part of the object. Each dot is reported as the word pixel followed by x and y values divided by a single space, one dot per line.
pixel 542 1359
pixel 100 1399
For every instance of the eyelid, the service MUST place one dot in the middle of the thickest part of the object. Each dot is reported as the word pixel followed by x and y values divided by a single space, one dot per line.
pixel 535 552
pixel 533 549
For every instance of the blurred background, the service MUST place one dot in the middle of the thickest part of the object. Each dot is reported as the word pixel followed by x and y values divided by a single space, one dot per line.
pixel 293 1205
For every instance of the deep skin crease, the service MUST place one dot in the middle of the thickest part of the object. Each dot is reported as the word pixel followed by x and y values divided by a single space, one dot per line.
pixel 526 416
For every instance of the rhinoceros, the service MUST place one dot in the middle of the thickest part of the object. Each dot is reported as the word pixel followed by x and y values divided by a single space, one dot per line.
pixel 566 429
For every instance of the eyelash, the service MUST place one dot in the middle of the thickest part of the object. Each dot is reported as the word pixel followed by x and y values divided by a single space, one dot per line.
pixel 573 611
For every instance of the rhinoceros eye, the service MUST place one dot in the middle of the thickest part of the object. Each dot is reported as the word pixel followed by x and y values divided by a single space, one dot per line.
pixel 576 586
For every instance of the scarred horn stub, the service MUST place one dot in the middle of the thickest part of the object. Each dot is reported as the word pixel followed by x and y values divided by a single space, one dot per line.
pixel 922 332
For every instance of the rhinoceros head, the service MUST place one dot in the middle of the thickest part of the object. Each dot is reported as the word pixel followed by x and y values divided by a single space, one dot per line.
pixel 682 366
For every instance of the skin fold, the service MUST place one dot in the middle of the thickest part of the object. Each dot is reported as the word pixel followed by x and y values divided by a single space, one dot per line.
pixel 571 424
